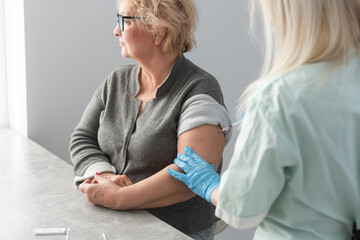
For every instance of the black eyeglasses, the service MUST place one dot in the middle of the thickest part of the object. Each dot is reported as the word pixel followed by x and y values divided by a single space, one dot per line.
pixel 121 18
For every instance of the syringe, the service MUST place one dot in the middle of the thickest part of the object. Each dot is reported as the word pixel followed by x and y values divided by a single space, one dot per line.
pixel 224 130
pixel 227 128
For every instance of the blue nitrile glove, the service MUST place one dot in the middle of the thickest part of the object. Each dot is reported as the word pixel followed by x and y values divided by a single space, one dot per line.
pixel 200 176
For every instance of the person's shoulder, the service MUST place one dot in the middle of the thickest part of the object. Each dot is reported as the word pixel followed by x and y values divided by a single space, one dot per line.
pixel 198 81
pixel 122 75
pixel 297 81
pixel 202 77
pixel 118 78
pixel 123 71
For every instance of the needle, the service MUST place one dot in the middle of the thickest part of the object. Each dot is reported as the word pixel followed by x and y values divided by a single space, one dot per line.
pixel 104 236
pixel 227 128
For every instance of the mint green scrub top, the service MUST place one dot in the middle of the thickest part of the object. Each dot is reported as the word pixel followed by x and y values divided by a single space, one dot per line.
pixel 295 169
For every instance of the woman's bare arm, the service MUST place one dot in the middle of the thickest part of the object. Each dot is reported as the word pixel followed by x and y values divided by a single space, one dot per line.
pixel 161 189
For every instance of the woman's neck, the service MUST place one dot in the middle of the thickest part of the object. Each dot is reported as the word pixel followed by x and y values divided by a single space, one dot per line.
pixel 155 70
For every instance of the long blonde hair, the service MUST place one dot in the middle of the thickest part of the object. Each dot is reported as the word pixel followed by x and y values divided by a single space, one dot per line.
pixel 298 32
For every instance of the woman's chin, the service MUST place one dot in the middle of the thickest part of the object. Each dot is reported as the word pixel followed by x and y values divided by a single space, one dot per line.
pixel 124 53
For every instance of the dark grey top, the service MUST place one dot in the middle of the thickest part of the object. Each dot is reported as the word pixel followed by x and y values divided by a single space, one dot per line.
pixel 110 137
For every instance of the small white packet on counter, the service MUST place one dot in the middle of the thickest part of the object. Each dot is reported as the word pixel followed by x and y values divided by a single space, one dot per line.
pixel 50 231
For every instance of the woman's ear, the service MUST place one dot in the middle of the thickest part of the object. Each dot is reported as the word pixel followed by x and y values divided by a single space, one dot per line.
pixel 159 36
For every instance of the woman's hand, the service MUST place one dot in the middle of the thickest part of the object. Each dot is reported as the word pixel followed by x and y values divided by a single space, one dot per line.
pixel 120 180
pixel 104 192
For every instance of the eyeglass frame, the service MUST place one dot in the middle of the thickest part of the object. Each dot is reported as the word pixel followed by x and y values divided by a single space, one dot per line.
pixel 121 22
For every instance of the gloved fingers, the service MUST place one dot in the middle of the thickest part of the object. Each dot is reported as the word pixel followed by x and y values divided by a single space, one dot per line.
pixel 177 175
pixel 181 164
pixel 192 154
pixel 186 159
pixel 182 157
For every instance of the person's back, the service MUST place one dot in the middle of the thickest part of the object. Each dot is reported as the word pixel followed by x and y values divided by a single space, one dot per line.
pixel 321 126
pixel 295 169
pixel 313 48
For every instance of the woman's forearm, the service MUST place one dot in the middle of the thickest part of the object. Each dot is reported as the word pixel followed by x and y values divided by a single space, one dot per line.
pixel 167 201
pixel 158 190
pixel 161 189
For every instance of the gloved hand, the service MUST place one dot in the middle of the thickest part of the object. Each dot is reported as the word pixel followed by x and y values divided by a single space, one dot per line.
pixel 200 176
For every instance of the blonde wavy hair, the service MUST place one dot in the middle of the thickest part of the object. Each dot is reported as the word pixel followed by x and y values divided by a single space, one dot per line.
pixel 298 32
pixel 178 17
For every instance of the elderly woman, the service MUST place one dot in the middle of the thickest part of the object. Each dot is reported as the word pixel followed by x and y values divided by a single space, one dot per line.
pixel 143 114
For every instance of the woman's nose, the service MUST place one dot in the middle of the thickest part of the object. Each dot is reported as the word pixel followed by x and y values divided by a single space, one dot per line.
pixel 117 31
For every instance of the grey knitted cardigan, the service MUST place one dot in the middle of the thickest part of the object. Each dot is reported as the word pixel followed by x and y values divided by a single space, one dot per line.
pixel 110 137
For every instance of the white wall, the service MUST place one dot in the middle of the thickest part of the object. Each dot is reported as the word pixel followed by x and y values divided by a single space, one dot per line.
pixel 13 79
pixel 4 121
pixel 70 49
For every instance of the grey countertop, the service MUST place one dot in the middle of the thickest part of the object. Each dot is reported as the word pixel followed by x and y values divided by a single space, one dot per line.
pixel 37 191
